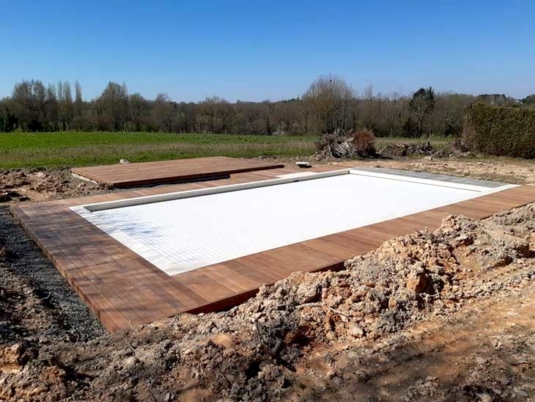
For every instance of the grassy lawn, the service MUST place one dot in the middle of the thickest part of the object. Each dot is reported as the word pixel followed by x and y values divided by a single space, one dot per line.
pixel 54 150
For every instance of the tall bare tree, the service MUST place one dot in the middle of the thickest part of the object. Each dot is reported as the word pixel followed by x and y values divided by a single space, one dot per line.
pixel 216 115
pixel 330 97
pixel 139 111
pixel 65 104
pixel 51 108
pixel 113 106
pixel 28 105
pixel 164 114
pixel 78 100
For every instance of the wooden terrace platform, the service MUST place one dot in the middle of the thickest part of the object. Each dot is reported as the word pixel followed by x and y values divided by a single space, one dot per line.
pixel 124 290
pixel 175 171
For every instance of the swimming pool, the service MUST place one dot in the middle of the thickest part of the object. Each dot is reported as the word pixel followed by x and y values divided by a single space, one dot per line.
pixel 183 231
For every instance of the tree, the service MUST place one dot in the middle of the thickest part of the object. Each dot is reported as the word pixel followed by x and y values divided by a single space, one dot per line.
pixel 304 113
pixel 78 100
pixel 51 108
pixel 369 104
pixel 8 121
pixel 248 119
pixel 448 114
pixel 330 97
pixel 421 105
pixel 329 104
pixel 139 111
pixel 395 113
pixel 216 115
pixel 28 105
pixel 529 100
pixel 286 116
pixel 496 100
pixel 163 113
pixel 65 104
pixel 267 114
pixel 187 117
pixel 113 108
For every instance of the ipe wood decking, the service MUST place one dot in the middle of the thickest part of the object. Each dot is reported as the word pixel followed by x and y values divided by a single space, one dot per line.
pixel 174 171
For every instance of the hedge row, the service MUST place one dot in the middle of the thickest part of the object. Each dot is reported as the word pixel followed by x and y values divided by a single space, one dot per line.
pixel 502 131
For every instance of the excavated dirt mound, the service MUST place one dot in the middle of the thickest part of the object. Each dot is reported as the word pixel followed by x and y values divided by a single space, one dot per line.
pixel 18 185
pixel 424 317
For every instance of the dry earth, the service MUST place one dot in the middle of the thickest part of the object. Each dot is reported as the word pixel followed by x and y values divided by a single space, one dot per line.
pixel 445 316
pixel 503 170
pixel 19 185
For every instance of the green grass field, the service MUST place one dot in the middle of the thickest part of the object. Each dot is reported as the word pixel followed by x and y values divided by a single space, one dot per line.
pixel 54 150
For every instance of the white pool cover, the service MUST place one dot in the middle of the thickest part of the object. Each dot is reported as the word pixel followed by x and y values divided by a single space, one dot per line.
pixel 183 231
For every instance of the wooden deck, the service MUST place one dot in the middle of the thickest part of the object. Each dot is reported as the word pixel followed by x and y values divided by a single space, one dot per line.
pixel 124 290
pixel 175 171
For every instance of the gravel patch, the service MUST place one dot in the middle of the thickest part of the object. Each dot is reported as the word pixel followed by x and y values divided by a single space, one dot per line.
pixel 31 280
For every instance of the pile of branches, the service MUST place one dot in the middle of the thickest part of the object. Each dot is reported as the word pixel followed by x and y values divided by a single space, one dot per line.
pixel 404 149
pixel 349 144
pixel 423 148
pixel 360 144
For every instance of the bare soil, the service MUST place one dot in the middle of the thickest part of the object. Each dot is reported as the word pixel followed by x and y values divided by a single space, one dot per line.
pixel 19 185
pixel 500 170
pixel 442 316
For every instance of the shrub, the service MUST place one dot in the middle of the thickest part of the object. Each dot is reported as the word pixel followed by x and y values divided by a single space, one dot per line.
pixel 364 143
pixel 501 131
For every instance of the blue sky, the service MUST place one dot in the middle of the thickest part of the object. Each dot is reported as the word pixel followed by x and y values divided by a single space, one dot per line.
pixel 256 49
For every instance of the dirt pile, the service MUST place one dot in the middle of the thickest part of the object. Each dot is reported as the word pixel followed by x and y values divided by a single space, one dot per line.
pixel 523 172
pixel 306 337
pixel 18 185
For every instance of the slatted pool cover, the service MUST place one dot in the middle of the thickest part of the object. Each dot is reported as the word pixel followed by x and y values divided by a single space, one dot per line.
pixel 185 234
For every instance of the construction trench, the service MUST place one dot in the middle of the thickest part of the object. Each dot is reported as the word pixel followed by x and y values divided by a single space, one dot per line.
pixel 442 315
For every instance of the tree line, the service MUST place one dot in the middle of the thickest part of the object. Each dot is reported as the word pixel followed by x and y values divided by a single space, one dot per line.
pixel 329 103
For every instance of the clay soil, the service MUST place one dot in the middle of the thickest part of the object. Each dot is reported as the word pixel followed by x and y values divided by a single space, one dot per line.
pixel 442 316
pixel 20 185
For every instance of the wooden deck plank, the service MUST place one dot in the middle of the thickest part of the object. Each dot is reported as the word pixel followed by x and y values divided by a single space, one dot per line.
pixel 147 173
pixel 124 290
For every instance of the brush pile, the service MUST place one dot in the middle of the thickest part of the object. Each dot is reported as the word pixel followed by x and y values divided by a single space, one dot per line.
pixel 409 149
pixel 424 148
pixel 361 144
pixel 350 144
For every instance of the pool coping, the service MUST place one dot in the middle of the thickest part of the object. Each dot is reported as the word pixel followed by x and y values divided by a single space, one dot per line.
pixel 434 176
